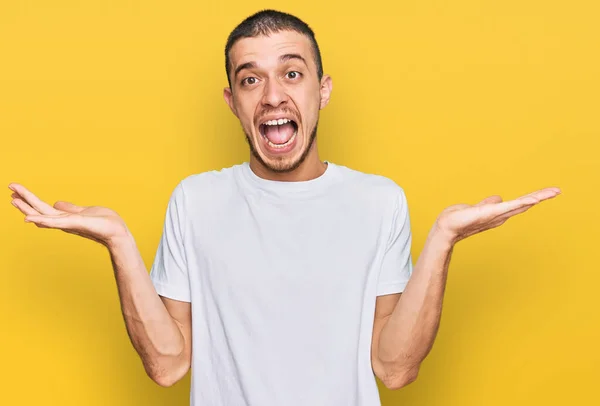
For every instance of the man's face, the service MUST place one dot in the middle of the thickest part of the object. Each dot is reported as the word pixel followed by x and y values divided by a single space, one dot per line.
pixel 276 94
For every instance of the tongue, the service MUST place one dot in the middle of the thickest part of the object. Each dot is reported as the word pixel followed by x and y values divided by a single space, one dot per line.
pixel 279 134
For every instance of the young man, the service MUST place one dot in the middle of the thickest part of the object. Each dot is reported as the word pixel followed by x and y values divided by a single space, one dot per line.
pixel 283 274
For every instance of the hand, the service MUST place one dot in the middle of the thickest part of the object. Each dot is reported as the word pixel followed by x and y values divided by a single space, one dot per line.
pixel 462 220
pixel 96 223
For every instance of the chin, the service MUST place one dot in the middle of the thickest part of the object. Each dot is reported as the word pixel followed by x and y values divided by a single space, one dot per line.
pixel 283 159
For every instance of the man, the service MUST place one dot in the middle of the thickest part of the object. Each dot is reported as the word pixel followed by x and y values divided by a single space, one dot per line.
pixel 290 277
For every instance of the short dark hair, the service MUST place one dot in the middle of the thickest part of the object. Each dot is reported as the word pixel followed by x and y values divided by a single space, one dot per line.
pixel 267 22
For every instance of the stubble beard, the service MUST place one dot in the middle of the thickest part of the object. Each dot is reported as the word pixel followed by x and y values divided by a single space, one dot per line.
pixel 282 166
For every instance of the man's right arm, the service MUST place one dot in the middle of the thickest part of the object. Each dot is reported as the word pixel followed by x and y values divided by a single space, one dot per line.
pixel 160 329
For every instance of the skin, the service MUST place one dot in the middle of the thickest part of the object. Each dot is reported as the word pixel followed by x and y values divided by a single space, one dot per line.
pixel 271 86
pixel 405 324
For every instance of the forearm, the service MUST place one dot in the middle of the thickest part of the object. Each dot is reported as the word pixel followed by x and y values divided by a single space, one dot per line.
pixel 409 333
pixel 154 334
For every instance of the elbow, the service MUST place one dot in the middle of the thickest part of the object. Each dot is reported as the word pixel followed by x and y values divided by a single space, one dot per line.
pixel 165 381
pixel 167 377
pixel 399 380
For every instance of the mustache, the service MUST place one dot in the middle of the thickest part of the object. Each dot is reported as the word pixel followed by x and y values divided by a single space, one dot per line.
pixel 285 111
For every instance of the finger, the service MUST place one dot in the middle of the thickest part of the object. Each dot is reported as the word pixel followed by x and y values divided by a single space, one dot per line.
pixel 499 220
pixel 543 194
pixel 24 207
pixel 491 199
pixel 505 216
pixel 528 199
pixel 64 221
pixel 33 200
pixel 68 207
pixel 499 209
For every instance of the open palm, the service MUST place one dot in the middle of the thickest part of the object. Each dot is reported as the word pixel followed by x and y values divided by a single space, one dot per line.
pixel 463 220
pixel 97 223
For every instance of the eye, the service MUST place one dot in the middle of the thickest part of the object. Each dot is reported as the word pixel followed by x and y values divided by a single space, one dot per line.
pixel 249 81
pixel 293 74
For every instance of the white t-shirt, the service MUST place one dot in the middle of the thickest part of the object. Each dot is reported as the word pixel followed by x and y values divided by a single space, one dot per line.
pixel 282 278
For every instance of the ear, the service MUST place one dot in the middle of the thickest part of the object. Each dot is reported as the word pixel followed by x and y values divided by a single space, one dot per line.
pixel 326 87
pixel 228 96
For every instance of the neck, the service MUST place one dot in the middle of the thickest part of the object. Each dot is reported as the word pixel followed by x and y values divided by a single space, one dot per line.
pixel 312 167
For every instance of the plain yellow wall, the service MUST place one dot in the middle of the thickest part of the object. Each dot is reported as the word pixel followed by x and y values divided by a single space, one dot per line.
pixel 112 103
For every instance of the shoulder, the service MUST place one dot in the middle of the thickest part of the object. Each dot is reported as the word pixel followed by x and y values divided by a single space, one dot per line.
pixel 208 187
pixel 371 185
pixel 214 181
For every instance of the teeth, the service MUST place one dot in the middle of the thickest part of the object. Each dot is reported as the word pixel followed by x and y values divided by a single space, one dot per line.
pixel 281 145
pixel 278 122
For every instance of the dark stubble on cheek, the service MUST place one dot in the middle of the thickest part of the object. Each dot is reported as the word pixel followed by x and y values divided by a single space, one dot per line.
pixel 292 165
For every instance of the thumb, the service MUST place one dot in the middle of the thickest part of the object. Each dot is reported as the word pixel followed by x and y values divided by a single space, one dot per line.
pixel 491 199
pixel 68 207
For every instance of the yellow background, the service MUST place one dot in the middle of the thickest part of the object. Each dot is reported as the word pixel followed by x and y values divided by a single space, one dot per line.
pixel 112 103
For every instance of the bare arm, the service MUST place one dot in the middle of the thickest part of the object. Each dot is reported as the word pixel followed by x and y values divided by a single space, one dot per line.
pixel 159 328
pixel 406 325
pixel 405 329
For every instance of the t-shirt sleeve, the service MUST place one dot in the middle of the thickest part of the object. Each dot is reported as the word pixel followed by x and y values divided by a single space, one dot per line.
pixel 169 272
pixel 397 263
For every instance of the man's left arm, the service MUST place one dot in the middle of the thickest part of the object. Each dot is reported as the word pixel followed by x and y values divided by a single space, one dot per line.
pixel 404 329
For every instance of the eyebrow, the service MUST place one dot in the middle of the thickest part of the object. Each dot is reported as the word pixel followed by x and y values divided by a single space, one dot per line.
pixel 283 58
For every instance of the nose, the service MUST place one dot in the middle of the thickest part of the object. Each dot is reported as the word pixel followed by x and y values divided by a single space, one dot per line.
pixel 274 93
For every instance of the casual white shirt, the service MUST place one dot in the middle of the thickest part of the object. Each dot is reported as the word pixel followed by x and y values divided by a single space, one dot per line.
pixel 282 278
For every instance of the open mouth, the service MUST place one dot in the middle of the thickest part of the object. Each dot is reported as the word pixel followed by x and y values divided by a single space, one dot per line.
pixel 279 133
